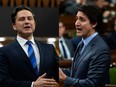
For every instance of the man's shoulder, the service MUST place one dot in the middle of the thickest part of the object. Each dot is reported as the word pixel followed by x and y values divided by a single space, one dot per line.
pixel 44 44
pixel 9 46
pixel 101 45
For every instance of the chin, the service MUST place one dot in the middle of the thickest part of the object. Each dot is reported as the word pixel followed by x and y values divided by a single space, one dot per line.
pixel 28 32
pixel 80 35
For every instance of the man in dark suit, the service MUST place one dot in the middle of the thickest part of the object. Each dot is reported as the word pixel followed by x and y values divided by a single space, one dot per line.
pixel 111 38
pixel 91 64
pixel 65 44
pixel 16 69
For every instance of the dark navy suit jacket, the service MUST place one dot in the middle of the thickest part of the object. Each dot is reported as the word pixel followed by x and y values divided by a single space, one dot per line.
pixel 16 69
pixel 91 68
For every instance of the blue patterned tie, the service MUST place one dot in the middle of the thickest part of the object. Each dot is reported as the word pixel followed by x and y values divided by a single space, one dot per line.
pixel 32 57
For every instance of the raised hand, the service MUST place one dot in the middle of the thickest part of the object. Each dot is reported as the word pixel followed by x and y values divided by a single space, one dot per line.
pixel 44 82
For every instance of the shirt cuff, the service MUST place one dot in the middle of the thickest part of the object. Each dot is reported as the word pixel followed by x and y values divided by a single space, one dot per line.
pixel 32 84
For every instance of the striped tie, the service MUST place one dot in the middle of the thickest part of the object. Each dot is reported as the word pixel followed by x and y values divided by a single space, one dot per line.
pixel 32 57
pixel 64 51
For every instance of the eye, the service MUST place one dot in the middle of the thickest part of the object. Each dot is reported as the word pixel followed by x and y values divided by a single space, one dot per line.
pixel 82 19
pixel 30 18
pixel 76 18
pixel 21 19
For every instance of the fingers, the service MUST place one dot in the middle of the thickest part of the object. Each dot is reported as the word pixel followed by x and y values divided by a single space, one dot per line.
pixel 60 71
pixel 42 76
pixel 62 76
pixel 45 82
pixel 49 83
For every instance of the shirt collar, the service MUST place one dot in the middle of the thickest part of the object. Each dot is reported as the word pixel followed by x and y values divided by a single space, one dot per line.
pixel 88 39
pixel 22 41
pixel 61 39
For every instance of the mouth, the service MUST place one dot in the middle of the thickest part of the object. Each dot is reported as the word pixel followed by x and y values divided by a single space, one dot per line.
pixel 78 29
pixel 27 27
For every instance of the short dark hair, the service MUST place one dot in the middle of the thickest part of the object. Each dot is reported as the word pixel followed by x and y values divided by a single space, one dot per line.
pixel 94 14
pixel 19 8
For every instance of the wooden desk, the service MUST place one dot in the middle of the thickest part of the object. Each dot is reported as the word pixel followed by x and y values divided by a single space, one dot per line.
pixel 65 63
pixel 113 56
pixel 110 85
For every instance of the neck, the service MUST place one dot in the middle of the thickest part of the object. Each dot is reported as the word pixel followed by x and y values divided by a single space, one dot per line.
pixel 26 37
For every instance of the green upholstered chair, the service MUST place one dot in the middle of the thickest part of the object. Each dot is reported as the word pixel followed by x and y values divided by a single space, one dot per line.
pixel 113 75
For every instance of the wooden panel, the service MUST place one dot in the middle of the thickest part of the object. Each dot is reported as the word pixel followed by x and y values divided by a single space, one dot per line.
pixel 57 2
pixel 39 3
pixel 53 3
pixel 25 2
pixel 45 3
pixel 11 3
pixel 68 20
pixel 32 3
pixel 65 63
pixel 5 3
pixel 18 2
pixel 113 56
pixel 110 85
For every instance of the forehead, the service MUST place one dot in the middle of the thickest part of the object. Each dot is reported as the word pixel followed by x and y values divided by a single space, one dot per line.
pixel 80 13
pixel 23 13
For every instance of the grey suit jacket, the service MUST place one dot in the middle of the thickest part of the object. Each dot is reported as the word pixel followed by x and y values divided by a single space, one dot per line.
pixel 91 68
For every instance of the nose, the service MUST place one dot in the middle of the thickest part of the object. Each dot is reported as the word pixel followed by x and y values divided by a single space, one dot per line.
pixel 26 20
pixel 77 23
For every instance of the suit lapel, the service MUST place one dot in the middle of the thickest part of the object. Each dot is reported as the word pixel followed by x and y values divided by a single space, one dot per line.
pixel 87 49
pixel 80 58
pixel 76 57
pixel 76 53
pixel 23 55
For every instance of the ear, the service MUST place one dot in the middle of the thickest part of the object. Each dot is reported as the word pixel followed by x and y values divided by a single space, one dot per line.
pixel 94 25
pixel 14 27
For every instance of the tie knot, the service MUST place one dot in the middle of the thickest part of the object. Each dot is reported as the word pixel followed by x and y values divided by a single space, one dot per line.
pixel 28 42
pixel 82 43
pixel 61 41
pixel 81 46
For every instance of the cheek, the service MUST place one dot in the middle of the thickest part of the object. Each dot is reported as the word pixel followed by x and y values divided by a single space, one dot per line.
pixel 87 27
pixel 33 27
pixel 86 30
pixel 19 26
